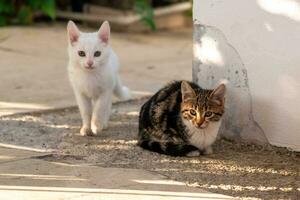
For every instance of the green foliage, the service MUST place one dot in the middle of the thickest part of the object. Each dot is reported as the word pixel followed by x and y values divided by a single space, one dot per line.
pixel 143 8
pixel 24 15
pixel 190 11
pixel 48 8
pixel 5 8
pixel 22 11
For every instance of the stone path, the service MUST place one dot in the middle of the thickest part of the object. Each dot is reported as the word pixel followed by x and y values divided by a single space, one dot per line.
pixel 24 175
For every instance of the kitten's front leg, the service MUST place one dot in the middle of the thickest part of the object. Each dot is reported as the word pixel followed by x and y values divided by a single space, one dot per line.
pixel 101 112
pixel 85 108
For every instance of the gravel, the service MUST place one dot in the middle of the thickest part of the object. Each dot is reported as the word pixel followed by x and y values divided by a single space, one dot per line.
pixel 242 170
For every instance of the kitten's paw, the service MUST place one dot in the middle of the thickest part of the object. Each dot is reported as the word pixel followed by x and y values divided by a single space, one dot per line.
pixel 97 128
pixel 208 150
pixel 86 131
pixel 126 94
pixel 195 153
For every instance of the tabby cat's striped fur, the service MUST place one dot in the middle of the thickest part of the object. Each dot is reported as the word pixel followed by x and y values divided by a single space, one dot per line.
pixel 181 119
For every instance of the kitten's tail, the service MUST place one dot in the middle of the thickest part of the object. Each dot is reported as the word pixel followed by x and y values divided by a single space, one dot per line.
pixel 122 92
pixel 168 148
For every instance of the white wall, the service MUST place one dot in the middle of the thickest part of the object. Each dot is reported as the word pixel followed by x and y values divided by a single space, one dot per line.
pixel 255 45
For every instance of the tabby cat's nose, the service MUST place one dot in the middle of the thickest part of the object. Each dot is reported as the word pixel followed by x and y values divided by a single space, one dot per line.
pixel 200 122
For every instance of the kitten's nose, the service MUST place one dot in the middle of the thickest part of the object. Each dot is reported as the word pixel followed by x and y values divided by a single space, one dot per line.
pixel 90 63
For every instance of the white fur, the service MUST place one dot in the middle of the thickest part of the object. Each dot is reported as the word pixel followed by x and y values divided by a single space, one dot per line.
pixel 195 153
pixel 93 87
pixel 203 138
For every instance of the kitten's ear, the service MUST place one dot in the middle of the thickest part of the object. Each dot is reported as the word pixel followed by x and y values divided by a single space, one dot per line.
pixel 218 95
pixel 73 32
pixel 187 92
pixel 104 32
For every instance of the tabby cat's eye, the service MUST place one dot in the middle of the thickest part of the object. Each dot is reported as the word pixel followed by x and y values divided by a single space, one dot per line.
pixel 208 114
pixel 192 112
pixel 81 53
pixel 97 54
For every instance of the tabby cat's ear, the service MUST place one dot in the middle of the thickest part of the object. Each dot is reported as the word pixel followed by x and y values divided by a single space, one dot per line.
pixel 187 92
pixel 218 95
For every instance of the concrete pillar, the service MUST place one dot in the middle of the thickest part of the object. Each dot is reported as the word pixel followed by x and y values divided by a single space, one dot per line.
pixel 255 46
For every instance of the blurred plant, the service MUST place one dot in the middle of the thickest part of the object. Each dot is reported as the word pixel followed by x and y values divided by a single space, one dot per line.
pixel 22 11
pixel 144 9
pixel 190 11
pixel 159 3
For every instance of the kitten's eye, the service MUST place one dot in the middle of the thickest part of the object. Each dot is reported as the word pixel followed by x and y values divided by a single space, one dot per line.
pixel 193 112
pixel 97 54
pixel 81 53
pixel 208 114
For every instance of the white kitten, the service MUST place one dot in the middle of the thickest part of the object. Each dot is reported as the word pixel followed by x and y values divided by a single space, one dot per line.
pixel 93 72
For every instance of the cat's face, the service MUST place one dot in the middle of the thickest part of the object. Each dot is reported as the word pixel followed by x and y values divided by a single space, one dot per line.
pixel 202 108
pixel 88 50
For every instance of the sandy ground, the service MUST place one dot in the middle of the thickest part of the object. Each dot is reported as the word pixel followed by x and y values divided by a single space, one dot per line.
pixel 237 169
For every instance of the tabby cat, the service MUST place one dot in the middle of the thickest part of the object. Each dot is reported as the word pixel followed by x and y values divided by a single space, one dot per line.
pixel 181 119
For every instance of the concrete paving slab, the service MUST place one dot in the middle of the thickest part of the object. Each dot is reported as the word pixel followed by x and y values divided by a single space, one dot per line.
pixel 33 64
pixel 38 179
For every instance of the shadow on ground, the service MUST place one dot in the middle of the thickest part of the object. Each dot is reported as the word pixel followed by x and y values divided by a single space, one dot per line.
pixel 236 169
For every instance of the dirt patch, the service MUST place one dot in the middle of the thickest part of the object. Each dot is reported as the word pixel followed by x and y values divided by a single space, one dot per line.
pixel 237 169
